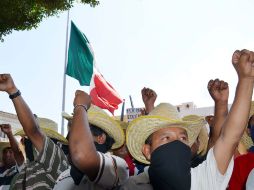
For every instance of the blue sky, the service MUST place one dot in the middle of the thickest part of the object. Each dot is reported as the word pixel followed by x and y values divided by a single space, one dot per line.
pixel 174 47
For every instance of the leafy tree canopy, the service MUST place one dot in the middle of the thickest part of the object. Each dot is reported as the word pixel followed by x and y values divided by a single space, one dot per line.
pixel 27 14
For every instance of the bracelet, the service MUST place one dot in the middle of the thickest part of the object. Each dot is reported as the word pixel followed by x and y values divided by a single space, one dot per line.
pixel 82 105
pixel 15 95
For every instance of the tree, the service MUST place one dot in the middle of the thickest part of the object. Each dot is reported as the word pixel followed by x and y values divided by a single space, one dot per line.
pixel 27 14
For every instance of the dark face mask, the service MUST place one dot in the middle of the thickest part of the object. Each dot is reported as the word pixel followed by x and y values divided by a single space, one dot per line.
pixel 101 147
pixel 252 133
pixel 170 167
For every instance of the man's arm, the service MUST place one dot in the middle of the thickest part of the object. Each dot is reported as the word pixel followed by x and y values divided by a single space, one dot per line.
pixel 237 119
pixel 219 92
pixel 24 113
pixel 83 152
pixel 149 96
pixel 6 128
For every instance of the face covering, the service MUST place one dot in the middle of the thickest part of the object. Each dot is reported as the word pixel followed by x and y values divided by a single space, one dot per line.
pixel 101 147
pixel 252 133
pixel 170 167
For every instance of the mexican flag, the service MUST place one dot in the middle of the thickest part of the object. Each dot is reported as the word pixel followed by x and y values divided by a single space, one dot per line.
pixel 82 66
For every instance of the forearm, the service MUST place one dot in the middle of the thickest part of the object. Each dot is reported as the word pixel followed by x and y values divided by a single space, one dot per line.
pixel 16 150
pixel 238 116
pixel 220 114
pixel 28 122
pixel 149 108
pixel 82 148
pixel 234 125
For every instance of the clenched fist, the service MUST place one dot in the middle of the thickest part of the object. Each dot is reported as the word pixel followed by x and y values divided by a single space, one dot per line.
pixel 6 128
pixel 149 96
pixel 7 84
pixel 82 98
pixel 243 62
pixel 218 89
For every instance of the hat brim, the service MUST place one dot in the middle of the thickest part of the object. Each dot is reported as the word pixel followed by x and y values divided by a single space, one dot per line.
pixel 141 128
pixel 123 124
pixel 246 140
pixel 203 141
pixel 109 125
pixel 48 132
pixel 3 145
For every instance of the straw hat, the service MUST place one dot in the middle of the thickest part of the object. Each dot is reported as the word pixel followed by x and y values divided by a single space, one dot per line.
pixel 163 116
pixel 4 143
pixel 246 140
pixel 203 135
pixel 123 124
pixel 49 127
pixel 99 118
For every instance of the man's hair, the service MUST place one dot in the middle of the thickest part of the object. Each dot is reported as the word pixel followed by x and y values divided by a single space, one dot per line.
pixel 5 149
pixel 96 131
pixel 249 125
pixel 149 140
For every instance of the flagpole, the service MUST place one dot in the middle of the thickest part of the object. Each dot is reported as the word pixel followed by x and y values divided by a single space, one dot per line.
pixel 64 75
pixel 122 113
pixel 132 106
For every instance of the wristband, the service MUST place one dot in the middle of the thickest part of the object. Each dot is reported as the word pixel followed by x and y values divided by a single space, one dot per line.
pixel 82 105
pixel 15 95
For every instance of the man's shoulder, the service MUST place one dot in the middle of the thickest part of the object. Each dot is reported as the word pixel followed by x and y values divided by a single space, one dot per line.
pixel 138 182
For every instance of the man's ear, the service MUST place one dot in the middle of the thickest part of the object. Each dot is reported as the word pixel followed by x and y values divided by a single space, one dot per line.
pixel 101 139
pixel 146 150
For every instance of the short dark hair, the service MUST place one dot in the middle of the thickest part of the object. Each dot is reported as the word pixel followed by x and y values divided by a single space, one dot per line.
pixel 5 149
pixel 96 131
pixel 149 140
pixel 249 125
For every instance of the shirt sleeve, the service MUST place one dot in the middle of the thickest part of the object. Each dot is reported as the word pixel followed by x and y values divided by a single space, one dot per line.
pixel 236 182
pixel 53 159
pixel 113 171
pixel 207 175
pixel 250 181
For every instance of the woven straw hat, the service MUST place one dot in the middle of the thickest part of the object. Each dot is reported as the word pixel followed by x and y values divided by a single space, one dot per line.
pixel 162 116
pixel 203 135
pixel 101 119
pixel 49 127
pixel 3 144
pixel 123 124
pixel 246 140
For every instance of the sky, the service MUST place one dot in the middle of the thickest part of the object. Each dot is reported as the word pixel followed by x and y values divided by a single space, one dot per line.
pixel 173 47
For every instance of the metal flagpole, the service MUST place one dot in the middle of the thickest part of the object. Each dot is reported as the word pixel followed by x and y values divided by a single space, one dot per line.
pixel 132 106
pixel 122 113
pixel 64 75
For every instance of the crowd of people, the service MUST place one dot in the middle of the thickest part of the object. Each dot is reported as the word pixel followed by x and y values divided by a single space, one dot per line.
pixel 158 150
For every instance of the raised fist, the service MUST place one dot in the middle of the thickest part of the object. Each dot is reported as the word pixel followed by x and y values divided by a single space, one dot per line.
pixel 6 128
pixel 82 98
pixel 149 96
pixel 7 84
pixel 218 89
pixel 243 62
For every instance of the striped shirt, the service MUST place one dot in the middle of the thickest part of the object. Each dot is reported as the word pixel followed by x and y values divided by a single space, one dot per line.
pixel 6 175
pixel 42 173
pixel 112 173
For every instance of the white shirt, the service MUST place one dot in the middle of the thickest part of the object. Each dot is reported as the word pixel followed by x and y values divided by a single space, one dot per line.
pixel 206 176
pixel 250 181
pixel 113 171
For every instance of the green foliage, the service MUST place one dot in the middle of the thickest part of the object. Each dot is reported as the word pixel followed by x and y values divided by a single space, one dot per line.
pixel 27 14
